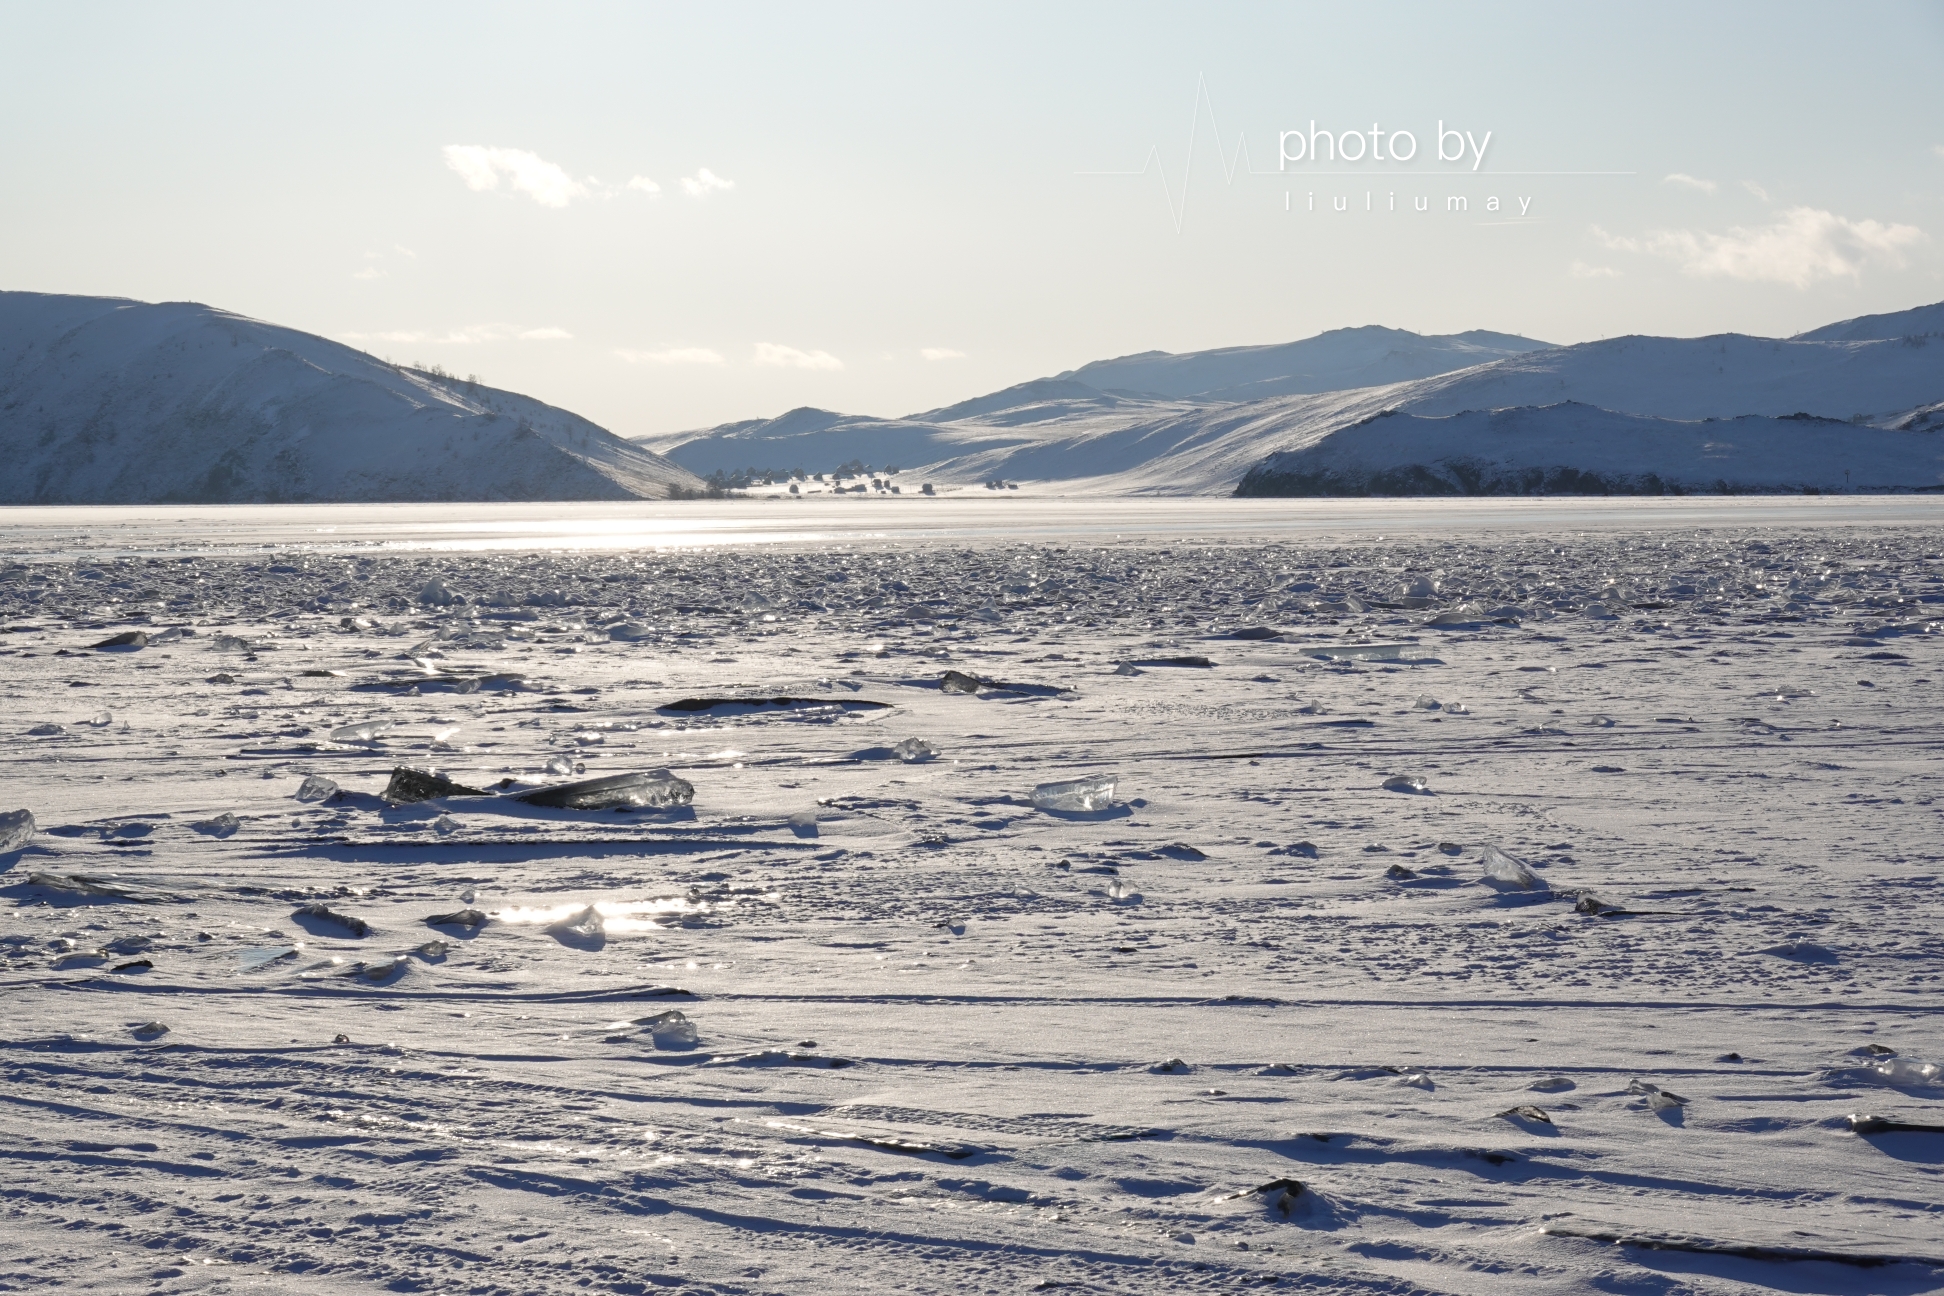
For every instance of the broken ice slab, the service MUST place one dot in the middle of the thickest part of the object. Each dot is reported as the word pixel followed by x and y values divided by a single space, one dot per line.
pixel 80 884
pixel 957 682
pixel 436 593
pixel 1359 651
pixel 559 765
pixel 1122 891
pixel 223 825
pixel 126 641
pixel 654 790
pixel 367 731
pixel 316 787
pixel 1861 1124
pixel 670 1030
pixel 1523 1114
pixel 16 830
pixel 1507 872
pixel 263 956
pixel 1658 1099
pixel 1425 702
pixel 914 750
pixel 1904 1073
pixel 324 913
pixel 409 785
pixel 1082 795
pixel 586 929
pixel 150 1030
pixel 1416 784
pixel 459 918
pixel 804 823
pixel 1551 1084
pixel 629 631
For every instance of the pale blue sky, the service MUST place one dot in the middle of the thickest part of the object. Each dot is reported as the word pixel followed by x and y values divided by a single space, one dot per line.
pixel 904 180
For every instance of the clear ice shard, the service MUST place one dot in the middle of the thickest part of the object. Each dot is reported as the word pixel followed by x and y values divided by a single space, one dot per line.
pixel 1081 795
pixel 587 927
pixel 654 790
pixel 629 631
pixel 671 1029
pixel 223 825
pixel 958 682
pixel 369 731
pixel 913 750
pixel 316 787
pixel 459 918
pixel 1412 783
pixel 16 830
pixel 1426 702
pixel 558 765
pixel 324 913
pixel 409 785
pixel 1509 872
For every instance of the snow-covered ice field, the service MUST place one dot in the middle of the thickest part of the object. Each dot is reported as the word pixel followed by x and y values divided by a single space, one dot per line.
pixel 1263 1022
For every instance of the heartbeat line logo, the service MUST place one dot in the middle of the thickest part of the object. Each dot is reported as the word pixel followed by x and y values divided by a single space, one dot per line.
pixel 1231 162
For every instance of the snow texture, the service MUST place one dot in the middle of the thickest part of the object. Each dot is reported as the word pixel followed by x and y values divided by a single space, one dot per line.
pixel 1251 1023
pixel 105 400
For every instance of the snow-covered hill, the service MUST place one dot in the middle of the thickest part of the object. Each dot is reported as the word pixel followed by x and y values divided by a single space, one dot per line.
pixel 1334 361
pixel 106 400
pixel 1062 431
pixel 1575 449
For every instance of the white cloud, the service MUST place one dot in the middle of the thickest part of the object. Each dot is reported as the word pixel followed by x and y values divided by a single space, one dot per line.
pixel 1800 247
pixel 673 356
pixel 704 182
pixel 471 335
pixel 941 353
pixel 768 353
pixel 642 184
pixel 1581 270
pixel 1938 149
pixel 1705 186
pixel 483 167
pixel 1756 189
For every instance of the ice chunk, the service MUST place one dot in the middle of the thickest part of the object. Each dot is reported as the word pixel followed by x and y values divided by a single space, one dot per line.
pixel 102 719
pixel 1128 668
pixel 913 750
pixel 1412 783
pixel 1521 1114
pixel 670 1030
pixel 126 831
pixel 957 682
pixel 1658 1099
pixel 368 731
pixel 229 643
pixel 445 825
pixel 1551 1084
pixel 409 785
pixel 48 730
pixel 1121 891
pixel 83 885
pixel 1426 702
pixel 654 790
pixel 558 765
pixel 1416 1080
pixel 1419 587
pixel 460 918
pixel 433 950
pixel 1456 708
pixel 126 641
pixel 629 631
pixel 16 830
pixel 1399 872
pixel 584 928
pixel 436 593
pixel 1172 1066
pixel 324 913
pixel 1508 872
pixel 804 823
pixel 150 1030
pixel 1081 795
pixel 223 825
pixel 316 787
pixel 1358 651
pixel 1906 1073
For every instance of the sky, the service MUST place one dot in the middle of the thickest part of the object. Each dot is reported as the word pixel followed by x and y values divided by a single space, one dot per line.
pixel 670 216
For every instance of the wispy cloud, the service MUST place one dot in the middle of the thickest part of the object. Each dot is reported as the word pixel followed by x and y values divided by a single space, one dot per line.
pixel 941 353
pixel 1688 181
pixel 673 356
pixel 1581 270
pixel 1938 149
pixel 483 168
pixel 471 335
pixel 369 272
pixel 1803 245
pixel 642 184
pixel 704 182
pixel 1756 189
pixel 769 353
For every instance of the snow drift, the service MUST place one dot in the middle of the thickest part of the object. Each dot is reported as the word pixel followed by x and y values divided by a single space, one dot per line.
pixel 109 401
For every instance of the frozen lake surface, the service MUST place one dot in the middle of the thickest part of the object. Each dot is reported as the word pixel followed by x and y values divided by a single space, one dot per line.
pixel 68 531
pixel 1494 896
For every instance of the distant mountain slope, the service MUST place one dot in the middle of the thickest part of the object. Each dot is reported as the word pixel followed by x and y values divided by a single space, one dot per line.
pixel 1334 361
pixel 1923 321
pixel 1574 449
pixel 105 400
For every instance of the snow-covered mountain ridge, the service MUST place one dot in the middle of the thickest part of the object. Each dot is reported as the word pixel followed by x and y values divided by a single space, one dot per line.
pixel 109 401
